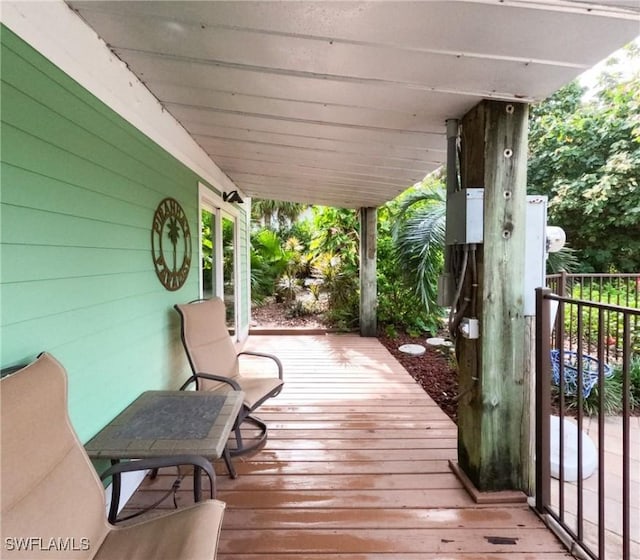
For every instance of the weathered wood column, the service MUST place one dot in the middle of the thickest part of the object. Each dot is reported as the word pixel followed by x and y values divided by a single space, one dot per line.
pixel 493 425
pixel 368 283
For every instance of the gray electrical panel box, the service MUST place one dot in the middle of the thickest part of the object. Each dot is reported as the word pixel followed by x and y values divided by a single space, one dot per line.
pixel 465 225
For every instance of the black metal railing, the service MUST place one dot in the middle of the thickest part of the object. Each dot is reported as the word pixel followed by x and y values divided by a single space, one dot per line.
pixel 582 387
pixel 621 290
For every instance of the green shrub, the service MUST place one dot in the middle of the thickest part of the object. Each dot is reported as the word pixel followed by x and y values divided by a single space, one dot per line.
pixel 590 405
pixel 268 263
pixel 299 309
pixel 613 388
pixel 335 247
pixel 341 286
pixel 391 331
pixel 610 294
pixel 634 381
pixel 400 303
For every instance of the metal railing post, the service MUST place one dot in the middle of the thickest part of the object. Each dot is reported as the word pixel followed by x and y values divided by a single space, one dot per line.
pixel 562 283
pixel 584 324
pixel 543 399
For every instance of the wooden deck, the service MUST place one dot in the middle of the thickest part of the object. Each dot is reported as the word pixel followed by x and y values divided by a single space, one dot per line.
pixel 356 467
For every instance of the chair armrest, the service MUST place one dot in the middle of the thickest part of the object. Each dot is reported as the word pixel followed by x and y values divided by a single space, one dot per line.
pixel 160 462
pixel 262 355
pixel 211 377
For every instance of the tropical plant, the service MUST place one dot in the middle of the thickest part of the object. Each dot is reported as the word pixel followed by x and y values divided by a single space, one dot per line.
pixel 634 381
pixel 591 404
pixel 613 392
pixel 341 285
pixel 207 249
pixel 337 232
pixel 293 257
pixel 267 264
pixel 399 304
pixel 335 249
pixel 564 260
pixel 418 237
pixel 275 214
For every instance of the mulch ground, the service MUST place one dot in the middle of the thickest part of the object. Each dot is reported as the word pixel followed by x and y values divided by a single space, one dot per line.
pixel 433 371
pixel 274 315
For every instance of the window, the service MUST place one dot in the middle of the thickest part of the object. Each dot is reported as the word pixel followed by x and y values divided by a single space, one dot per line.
pixel 219 253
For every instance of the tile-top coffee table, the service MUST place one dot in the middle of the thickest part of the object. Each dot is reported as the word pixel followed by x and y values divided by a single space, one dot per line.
pixel 169 424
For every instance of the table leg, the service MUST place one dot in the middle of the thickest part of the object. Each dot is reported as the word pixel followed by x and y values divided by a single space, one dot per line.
pixel 115 494
pixel 197 483
pixel 227 459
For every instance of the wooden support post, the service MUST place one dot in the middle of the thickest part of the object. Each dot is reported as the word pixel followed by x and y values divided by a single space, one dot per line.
pixel 368 284
pixel 493 413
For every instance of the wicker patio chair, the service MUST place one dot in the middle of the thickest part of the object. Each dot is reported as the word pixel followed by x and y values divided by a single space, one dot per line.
pixel 215 365
pixel 52 501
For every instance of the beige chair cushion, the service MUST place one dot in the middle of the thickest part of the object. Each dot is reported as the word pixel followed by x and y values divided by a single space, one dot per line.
pixel 49 487
pixel 211 350
pixel 187 534
pixel 51 492
pixel 255 388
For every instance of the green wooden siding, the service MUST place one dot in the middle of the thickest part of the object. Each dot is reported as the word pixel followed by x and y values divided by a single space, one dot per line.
pixel 79 189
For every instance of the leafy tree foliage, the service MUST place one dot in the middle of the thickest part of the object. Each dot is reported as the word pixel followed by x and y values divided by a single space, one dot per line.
pixel 585 155
pixel 331 245
pixel 275 214
pixel 337 232
pixel 335 247
pixel 268 263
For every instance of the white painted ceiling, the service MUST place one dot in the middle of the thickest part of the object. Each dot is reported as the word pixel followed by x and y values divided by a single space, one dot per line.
pixel 344 103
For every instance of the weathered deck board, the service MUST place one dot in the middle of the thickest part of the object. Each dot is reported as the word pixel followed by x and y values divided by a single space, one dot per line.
pixel 356 467
pixel 386 434
pixel 401 556
pixel 390 445
pixel 355 540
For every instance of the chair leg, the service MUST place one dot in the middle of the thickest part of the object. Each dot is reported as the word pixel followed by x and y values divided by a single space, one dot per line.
pixel 243 449
pixel 238 433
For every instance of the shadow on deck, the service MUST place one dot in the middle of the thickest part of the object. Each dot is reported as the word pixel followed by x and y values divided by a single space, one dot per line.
pixel 356 466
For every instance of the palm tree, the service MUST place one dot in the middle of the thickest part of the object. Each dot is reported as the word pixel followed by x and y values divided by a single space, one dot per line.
pixel 275 214
pixel 565 259
pixel 418 238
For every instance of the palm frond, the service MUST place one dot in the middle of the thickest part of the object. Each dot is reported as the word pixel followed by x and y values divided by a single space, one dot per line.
pixel 418 237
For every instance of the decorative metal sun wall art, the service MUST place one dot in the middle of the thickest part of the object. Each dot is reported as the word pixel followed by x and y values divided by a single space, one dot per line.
pixel 171 244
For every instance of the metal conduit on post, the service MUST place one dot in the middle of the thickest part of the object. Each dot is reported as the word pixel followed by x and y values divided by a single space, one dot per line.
pixel 452 155
pixel 452 186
